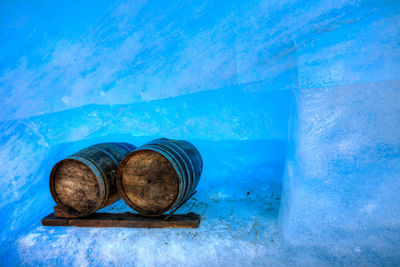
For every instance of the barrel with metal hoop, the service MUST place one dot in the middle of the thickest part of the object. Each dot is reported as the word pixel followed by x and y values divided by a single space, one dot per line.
pixel 159 175
pixel 86 181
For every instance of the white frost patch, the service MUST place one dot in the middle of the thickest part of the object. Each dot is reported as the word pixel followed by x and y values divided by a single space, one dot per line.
pixel 80 132
pixel 368 208
pixel 29 240
pixel 65 100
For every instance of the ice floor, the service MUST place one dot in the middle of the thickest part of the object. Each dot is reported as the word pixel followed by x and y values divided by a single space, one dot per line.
pixel 232 232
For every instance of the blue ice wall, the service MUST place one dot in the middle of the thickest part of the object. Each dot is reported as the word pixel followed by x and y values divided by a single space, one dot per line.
pixel 341 188
pixel 307 91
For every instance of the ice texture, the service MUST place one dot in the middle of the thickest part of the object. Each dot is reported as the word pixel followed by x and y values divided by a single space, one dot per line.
pixel 342 176
pixel 299 97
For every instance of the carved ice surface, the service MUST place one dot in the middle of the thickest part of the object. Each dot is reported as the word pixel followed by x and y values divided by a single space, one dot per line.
pixel 300 96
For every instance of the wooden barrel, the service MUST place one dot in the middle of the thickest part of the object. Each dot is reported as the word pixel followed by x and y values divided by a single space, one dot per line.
pixel 159 175
pixel 86 181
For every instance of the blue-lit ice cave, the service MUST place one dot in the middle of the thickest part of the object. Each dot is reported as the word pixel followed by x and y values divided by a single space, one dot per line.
pixel 294 105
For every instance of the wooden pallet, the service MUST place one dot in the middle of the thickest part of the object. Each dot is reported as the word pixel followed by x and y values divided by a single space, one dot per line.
pixel 127 219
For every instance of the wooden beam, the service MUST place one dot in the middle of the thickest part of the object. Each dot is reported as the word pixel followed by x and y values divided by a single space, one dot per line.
pixel 127 219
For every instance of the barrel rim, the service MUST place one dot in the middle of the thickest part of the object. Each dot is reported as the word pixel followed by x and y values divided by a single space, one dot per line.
pixel 121 188
pixel 66 208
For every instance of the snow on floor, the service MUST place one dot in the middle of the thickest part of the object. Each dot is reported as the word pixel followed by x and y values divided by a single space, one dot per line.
pixel 241 232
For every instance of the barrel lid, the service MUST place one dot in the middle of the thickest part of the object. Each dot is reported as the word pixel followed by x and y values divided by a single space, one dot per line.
pixel 148 182
pixel 75 187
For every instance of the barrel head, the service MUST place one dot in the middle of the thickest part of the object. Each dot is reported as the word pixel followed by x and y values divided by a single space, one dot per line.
pixel 74 186
pixel 148 182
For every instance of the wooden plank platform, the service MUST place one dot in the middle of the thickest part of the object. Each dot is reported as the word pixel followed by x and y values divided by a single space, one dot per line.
pixel 127 219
